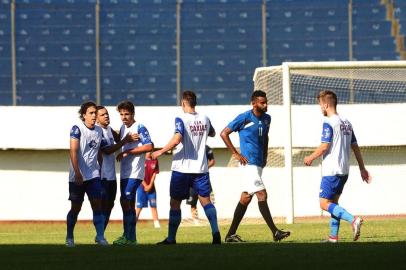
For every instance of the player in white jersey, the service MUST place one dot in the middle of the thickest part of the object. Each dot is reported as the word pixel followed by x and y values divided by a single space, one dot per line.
pixel 336 141
pixel 86 139
pixel 132 158
pixel 108 166
pixel 189 166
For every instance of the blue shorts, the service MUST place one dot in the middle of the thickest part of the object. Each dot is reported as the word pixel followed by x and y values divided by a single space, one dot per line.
pixel 109 189
pixel 92 188
pixel 181 183
pixel 144 197
pixel 128 188
pixel 332 185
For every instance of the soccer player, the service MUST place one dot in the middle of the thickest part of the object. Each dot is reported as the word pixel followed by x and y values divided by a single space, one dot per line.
pixel 132 169
pixel 86 139
pixel 193 196
pixel 336 140
pixel 253 128
pixel 108 168
pixel 189 166
pixel 146 191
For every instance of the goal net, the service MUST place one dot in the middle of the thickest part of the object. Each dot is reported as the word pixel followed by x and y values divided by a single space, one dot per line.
pixel 371 94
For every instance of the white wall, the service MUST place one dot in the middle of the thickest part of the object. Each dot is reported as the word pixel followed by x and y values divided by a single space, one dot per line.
pixel 48 127
pixel 33 183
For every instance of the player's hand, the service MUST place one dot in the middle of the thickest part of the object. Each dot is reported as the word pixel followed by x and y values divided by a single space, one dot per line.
pixel 78 179
pixel 156 154
pixel 366 177
pixel 121 155
pixel 243 160
pixel 308 161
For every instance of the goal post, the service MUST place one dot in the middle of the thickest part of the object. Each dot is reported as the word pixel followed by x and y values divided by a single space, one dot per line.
pixel 362 87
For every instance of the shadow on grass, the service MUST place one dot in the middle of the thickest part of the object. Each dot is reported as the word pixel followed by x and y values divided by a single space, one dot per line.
pixel 374 255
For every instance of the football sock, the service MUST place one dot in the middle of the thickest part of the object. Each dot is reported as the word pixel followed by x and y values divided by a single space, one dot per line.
pixel 98 221
pixel 175 216
pixel 71 219
pixel 340 212
pixel 132 224
pixel 127 223
pixel 211 214
pixel 107 218
pixel 238 215
pixel 334 226
pixel 266 214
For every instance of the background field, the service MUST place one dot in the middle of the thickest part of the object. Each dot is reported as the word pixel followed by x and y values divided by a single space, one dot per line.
pixel 40 246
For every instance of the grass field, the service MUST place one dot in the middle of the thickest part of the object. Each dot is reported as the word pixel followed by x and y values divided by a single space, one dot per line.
pixel 41 246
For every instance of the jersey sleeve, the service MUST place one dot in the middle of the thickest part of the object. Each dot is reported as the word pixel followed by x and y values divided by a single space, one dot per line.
pixel 238 123
pixel 327 133
pixel 353 138
pixel 144 135
pixel 75 133
pixel 179 126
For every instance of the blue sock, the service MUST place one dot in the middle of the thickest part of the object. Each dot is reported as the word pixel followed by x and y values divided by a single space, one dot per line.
pixel 127 223
pixel 98 221
pixel 334 226
pixel 131 226
pixel 340 212
pixel 106 218
pixel 211 214
pixel 174 221
pixel 71 219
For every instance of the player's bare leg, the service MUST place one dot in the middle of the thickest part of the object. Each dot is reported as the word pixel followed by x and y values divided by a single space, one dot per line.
pixel 154 214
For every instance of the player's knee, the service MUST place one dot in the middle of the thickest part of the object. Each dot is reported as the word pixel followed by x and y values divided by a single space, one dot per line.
pixel 262 195
pixel 245 198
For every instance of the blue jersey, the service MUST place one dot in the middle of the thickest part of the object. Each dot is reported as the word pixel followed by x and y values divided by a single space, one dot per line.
pixel 253 132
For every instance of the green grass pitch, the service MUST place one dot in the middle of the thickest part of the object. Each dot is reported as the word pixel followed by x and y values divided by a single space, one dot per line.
pixel 41 246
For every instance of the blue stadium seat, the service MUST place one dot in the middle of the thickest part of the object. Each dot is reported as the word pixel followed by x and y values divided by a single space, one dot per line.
pixel 308 30
pixel 373 28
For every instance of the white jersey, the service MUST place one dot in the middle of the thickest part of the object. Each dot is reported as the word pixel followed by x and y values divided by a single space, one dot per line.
pixel 108 171
pixel 90 141
pixel 132 166
pixel 190 154
pixel 337 131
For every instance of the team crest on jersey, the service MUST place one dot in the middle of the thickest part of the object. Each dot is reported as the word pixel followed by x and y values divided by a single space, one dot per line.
pixel 257 183
pixel 327 133
pixel 92 144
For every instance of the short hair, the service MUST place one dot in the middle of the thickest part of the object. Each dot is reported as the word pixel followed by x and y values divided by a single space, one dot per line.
pixel 126 105
pixel 99 107
pixel 328 96
pixel 256 94
pixel 190 98
pixel 84 107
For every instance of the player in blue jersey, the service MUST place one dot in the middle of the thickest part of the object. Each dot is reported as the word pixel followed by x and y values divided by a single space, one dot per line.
pixel 132 158
pixel 253 128
pixel 108 166
pixel 86 139
pixel 336 141
pixel 189 166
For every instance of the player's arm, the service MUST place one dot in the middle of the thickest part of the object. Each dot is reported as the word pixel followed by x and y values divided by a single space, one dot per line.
pixel 116 135
pixel 151 183
pixel 114 147
pixel 173 142
pixel 73 153
pixel 265 151
pixel 225 135
pixel 321 150
pixel 212 131
pixel 366 177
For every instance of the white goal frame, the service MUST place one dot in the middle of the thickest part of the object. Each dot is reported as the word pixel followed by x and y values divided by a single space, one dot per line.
pixel 287 67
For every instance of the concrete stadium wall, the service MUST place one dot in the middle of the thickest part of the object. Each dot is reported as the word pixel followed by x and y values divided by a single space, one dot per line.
pixel 34 186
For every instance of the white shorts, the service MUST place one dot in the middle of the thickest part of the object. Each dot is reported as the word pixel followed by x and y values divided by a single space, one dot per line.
pixel 251 179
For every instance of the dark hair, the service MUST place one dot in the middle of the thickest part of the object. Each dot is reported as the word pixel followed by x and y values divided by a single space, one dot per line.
pixel 190 98
pixel 84 107
pixel 328 96
pixel 126 105
pixel 256 94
